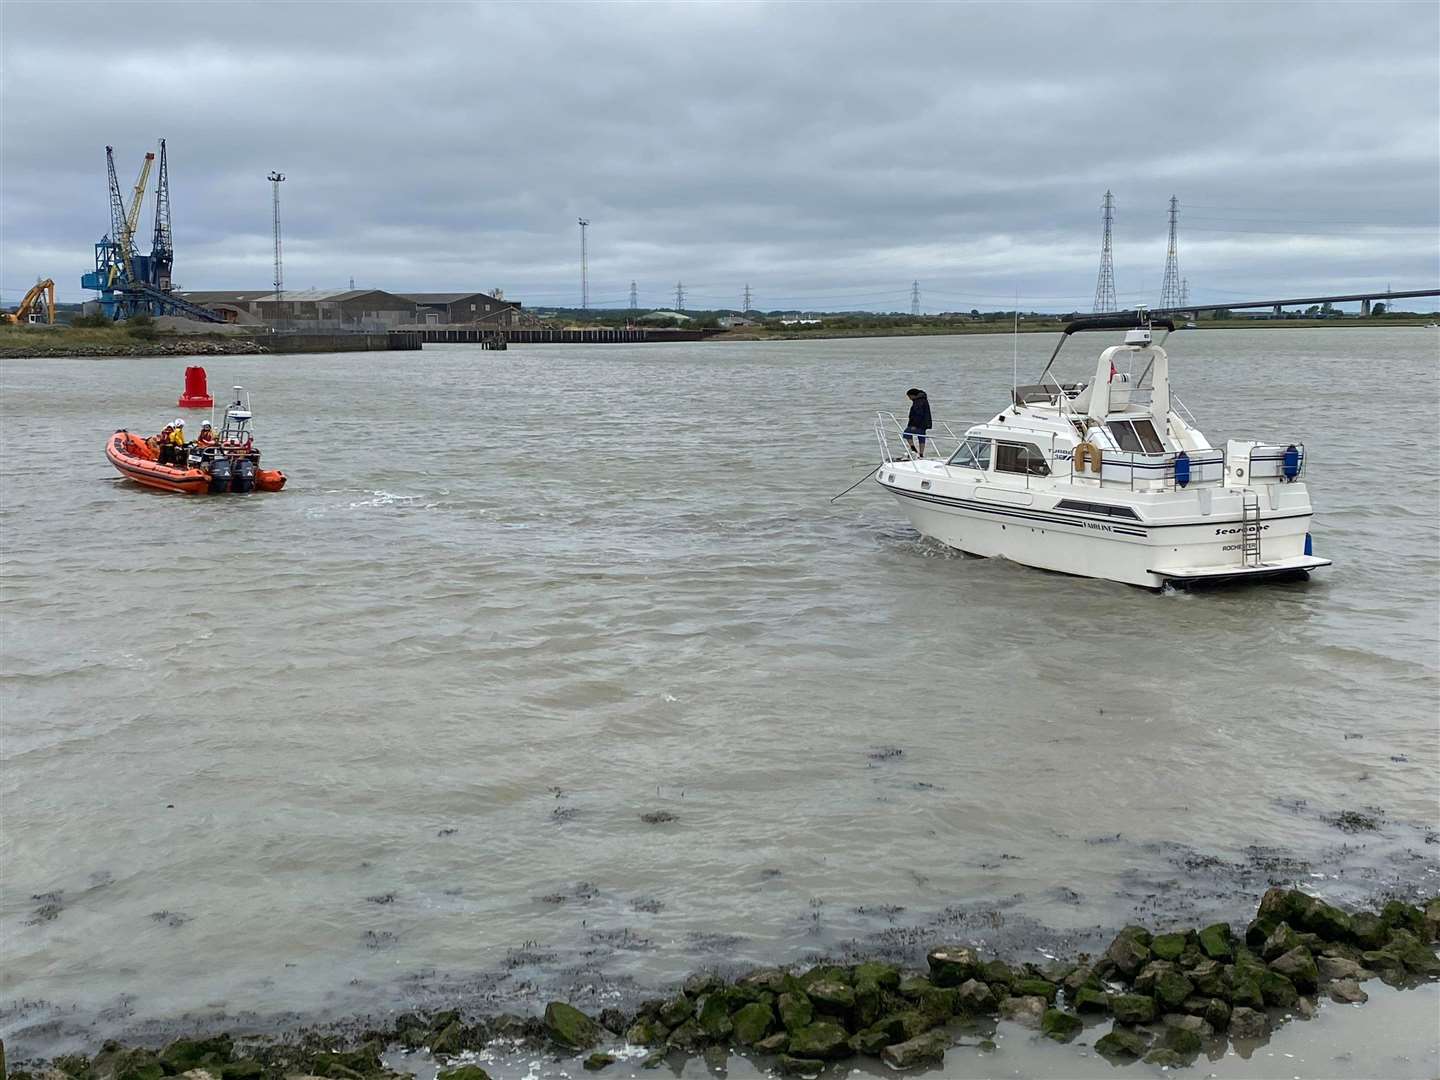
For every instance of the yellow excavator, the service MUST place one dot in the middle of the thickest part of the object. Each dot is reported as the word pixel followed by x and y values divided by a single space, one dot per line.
pixel 30 307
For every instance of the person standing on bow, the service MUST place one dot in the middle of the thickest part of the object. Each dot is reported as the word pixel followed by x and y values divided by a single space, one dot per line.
pixel 919 422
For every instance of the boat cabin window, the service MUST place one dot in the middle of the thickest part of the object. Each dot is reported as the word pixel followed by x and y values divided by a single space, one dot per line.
pixel 1136 436
pixel 1024 458
pixel 974 453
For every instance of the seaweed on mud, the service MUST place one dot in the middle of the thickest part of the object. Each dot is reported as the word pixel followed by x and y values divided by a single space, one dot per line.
pixel 378 939
pixel 447 832
pixel 884 753
pixel 712 943
pixel 624 939
pixel 658 817
pixel 887 911
pixel 381 898
pixel 171 918
pixel 565 813
pixel 647 905
pixel 50 906
pixel 528 955
pixel 1353 821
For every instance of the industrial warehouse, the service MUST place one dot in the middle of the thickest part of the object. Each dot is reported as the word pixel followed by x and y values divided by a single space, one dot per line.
pixel 355 309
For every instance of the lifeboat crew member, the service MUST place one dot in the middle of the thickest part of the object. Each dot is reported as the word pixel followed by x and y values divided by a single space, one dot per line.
pixel 163 444
pixel 173 448
pixel 919 421
pixel 206 436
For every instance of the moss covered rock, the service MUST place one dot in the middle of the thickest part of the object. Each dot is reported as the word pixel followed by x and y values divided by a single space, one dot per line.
pixel 1133 1008
pixel 1164 1057
pixel 1298 966
pixel 790 1065
pixel 952 965
pixel 1167 946
pixel 927 1049
pixel 676 1011
pixel 1278 991
pixel 597 1061
pixel 822 1040
pixel 464 1072
pixel 1121 1044
pixel 1060 1025
pixel 1035 988
pixel 1215 941
pixel 1281 940
pixel 796 1011
pixel 567 1026
pixel 1091 999
pixel 1027 1010
pixel 1130 951
pixel 998 974
pixel 1417 957
pixel 182 1055
pixel 713 1015
pixel 688 1038
pixel 647 1031
pixel 752 1023
pixel 974 996
pixel 244 1069
pixel 831 996
pixel 1249 1024
pixel 885 976
pixel 777 1043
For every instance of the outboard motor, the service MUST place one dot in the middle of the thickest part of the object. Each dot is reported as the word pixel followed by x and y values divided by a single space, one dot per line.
pixel 219 474
pixel 242 476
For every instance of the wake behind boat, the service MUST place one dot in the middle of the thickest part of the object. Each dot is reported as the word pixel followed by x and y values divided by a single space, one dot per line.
pixel 229 464
pixel 1109 478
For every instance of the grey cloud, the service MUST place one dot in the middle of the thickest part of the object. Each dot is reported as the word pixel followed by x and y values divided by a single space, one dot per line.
pixel 823 153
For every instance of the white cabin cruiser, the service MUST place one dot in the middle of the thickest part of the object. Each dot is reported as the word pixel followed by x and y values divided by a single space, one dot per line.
pixel 1108 479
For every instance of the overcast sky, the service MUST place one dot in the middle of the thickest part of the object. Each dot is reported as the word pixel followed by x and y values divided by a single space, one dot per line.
pixel 827 154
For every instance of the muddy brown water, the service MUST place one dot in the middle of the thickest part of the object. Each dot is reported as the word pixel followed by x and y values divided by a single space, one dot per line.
pixel 387 738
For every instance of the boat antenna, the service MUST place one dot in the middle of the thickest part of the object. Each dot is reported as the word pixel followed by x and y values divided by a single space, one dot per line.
pixel 1015 350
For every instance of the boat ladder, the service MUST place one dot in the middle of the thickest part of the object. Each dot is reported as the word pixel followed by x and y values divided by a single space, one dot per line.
pixel 1250 528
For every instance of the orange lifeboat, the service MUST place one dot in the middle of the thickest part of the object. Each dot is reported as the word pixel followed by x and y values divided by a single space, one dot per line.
pixel 138 458
pixel 231 464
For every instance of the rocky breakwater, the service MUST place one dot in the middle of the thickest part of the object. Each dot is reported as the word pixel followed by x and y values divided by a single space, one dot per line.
pixel 58 346
pixel 1165 998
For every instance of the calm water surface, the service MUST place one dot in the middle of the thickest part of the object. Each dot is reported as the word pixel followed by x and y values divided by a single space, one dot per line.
pixel 391 732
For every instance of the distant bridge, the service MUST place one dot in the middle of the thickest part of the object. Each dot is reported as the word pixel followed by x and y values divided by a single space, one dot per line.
pixel 1278 306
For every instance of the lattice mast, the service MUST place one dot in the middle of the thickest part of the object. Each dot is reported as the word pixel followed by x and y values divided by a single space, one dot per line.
pixel 1170 288
pixel 276 179
pixel 117 219
pixel 634 299
pixel 915 298
pixel 162 246
pixel 747 308
pixel 1105 283
pixel 679 296
pixel 584 264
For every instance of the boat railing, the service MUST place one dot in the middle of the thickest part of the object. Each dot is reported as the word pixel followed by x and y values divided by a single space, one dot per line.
pixel 1154 472
pixel 941 442
pixel 1284 464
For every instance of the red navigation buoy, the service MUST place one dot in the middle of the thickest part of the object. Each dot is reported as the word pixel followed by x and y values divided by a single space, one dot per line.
pixel 197 394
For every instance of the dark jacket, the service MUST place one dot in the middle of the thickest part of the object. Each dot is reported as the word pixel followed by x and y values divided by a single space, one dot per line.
pixel 920 413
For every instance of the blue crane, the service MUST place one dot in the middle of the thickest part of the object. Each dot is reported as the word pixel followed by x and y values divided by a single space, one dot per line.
pixel 130 283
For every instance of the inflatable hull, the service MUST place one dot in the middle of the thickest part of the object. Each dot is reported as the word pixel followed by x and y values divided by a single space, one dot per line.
pixel 137 459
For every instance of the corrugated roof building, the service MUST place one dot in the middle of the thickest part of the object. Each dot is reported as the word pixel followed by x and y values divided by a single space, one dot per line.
pixel 460 309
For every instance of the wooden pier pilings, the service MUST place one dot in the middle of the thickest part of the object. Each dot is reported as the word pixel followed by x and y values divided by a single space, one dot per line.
pixel 490 338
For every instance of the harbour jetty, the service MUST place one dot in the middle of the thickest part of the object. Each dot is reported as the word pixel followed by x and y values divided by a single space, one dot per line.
pixel 1162 996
